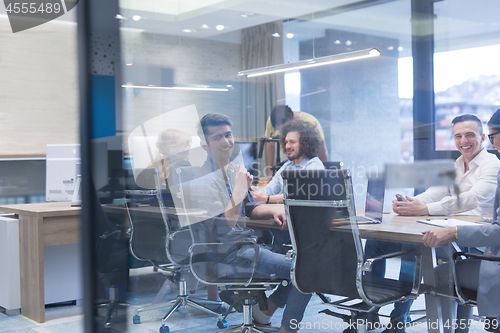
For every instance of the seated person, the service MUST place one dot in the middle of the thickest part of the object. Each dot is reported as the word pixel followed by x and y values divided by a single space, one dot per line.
pixel 280 115
pixel 302 147
pixel 476 177
pixel 172 150
pixel 222 190
pixel 474 274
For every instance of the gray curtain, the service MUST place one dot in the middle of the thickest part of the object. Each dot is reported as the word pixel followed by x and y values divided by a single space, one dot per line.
pixel 259 49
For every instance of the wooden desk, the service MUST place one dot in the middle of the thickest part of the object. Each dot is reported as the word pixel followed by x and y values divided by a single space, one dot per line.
pixel 400 229
pixel 41 224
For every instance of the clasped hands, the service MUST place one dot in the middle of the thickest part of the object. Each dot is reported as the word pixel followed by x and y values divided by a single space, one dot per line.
pixel 409 206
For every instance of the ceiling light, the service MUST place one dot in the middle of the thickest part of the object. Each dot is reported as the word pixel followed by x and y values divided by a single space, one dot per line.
pixel 205 26
pixel 348 42
pixel 337 42
pixel 120 17
pixel 289 35
pixel 390 48
pixel 188 30
pixel 219 27
pixel 248 14
pixel 183 87
pixel 136 18
pixel 331 59
pixel 276 35
pixel 400 48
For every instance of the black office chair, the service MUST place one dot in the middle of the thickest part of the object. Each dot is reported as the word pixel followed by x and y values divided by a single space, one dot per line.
pixel 333 165
pixel 111 259
pixel 328 256
pixel 164 243
pixel 456 292
pixel 246 286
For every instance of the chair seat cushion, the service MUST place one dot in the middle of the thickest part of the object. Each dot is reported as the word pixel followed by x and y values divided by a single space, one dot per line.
pixel 383 290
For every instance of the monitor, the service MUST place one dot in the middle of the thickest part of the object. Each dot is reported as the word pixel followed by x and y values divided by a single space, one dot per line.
pixel 248 151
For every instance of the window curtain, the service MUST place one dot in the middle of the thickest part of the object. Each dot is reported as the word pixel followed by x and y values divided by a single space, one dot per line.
pixel 259 49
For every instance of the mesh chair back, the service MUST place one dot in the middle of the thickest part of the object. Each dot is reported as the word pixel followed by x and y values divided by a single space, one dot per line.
pixel 326 258
pixel 156 237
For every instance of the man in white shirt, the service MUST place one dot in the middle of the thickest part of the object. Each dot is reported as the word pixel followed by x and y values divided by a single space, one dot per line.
pixel 476 178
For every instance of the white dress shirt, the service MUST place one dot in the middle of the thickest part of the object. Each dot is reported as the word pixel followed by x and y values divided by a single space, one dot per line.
pixel 477 188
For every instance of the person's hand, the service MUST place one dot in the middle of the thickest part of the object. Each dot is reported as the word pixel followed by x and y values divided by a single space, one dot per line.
pixel 259 196
pixel 243 178
pixel 409 206
pixel 280 219
pixel 434 237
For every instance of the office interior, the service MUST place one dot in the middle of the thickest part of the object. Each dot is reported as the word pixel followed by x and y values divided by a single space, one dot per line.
pixel 109 74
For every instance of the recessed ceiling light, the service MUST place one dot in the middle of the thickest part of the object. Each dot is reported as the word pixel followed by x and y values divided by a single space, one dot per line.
pixel 276 35
pixel 390 48
pixel 348 42
pixel 337 42
pixel 400 48
pixel 119 17
pixel 136 18
pixel 289 35
pixel 205 26
pixel 188 30
pixel 219 27
pixel 248 14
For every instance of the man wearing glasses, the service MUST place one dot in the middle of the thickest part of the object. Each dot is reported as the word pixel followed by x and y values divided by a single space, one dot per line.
pixel 476 178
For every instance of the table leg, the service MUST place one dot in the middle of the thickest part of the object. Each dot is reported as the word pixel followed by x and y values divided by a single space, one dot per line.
pixel 432 303
pixel 31 268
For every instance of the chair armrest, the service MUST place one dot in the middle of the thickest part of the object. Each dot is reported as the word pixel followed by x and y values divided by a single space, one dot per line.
pixel 194 258
pixel 367 266
pixel 475 256
pixel 109 234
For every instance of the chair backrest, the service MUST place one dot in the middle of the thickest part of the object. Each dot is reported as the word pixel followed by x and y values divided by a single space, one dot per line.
pixel 111 246
pixel 325 258
pixel 333 165
pixel 155 236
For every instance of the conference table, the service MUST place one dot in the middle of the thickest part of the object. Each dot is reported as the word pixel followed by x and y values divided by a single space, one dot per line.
pixel 403 229
pixel 54 223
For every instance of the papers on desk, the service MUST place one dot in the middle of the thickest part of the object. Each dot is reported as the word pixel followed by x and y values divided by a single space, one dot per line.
pixel 443 223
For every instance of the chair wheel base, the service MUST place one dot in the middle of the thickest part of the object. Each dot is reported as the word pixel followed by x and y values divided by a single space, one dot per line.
pixel 222 324
pixel 137 319
pixel 164 329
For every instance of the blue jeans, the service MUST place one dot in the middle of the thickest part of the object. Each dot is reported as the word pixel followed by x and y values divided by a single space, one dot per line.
pixel 272 264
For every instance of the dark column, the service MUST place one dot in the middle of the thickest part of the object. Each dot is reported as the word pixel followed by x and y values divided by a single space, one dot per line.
pixel 422 22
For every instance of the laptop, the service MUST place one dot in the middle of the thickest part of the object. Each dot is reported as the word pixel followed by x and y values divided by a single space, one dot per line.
pixel 374 206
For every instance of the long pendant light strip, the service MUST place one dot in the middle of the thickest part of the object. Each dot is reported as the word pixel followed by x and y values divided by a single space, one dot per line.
pixel 331 59
pixel 177 88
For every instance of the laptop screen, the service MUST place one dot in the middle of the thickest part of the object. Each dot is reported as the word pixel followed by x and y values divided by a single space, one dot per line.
pixel 375 198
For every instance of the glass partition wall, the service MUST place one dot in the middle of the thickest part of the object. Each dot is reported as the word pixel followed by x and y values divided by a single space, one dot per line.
pixel 152 69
